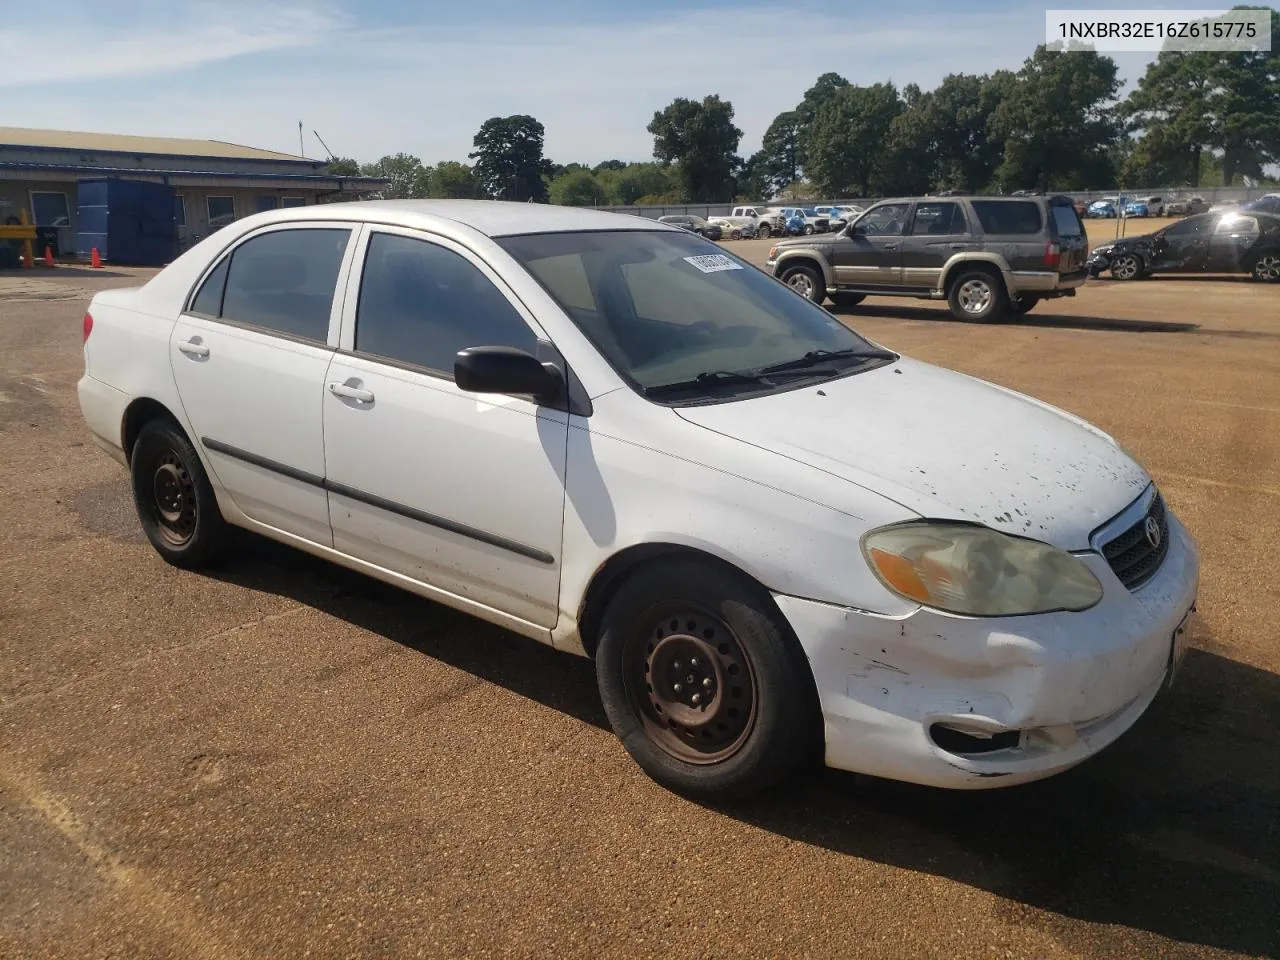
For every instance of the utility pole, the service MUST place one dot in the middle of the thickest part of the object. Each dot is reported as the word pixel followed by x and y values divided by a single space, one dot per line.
pixel 302 150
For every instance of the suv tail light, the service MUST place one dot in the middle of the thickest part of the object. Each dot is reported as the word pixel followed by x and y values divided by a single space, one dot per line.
pixel 87 327
pixel 1052 255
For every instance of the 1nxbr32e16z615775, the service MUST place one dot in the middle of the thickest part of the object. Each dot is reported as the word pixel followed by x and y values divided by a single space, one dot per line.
pixel 777 539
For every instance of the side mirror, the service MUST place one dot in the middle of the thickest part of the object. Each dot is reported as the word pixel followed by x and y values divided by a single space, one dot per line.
pixel 506 370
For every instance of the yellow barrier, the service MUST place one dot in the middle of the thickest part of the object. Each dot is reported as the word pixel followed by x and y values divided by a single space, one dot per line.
pixel 23 231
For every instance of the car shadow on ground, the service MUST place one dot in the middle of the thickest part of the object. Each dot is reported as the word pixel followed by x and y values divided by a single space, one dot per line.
pixel 1171 830
pixel 1044 320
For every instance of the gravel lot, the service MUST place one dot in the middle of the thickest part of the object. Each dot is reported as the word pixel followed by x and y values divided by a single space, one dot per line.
pixel 283 759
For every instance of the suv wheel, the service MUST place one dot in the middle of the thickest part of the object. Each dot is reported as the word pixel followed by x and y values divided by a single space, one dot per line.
pixel 806 281
pixel 763 232
pixel 808 229
pixel 1267 267
pixel 977 296
pixel 1127 266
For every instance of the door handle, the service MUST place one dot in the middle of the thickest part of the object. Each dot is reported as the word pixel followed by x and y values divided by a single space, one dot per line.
pixel 194 348
pixel 956 246
pixel 891 246
pixel 349 391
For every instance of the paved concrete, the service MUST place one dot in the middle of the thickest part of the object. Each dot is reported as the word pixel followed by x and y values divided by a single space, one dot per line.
pixel 286 760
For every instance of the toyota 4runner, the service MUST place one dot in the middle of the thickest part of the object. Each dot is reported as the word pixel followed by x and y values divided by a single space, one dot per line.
pixel 987 256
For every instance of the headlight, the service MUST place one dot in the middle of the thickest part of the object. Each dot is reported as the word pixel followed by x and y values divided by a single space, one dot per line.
pixel 977 571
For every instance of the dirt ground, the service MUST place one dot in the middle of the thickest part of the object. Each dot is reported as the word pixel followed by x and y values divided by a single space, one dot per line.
pixel 284 760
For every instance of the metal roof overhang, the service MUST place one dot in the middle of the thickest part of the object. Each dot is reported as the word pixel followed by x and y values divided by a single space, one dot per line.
pixel 196 178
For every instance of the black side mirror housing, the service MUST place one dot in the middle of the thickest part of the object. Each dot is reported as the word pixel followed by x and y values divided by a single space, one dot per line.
pixel 507 370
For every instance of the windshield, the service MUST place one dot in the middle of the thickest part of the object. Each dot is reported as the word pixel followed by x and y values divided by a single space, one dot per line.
pixel 664 308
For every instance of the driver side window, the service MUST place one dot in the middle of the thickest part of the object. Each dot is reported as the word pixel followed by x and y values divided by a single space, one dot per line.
pixel 1187 229
pixel 884 221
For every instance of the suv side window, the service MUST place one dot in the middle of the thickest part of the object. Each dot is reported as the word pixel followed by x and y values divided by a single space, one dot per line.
pixel 1008 217
pixel 281 282
pixel 886 220
pixel 938 219
pixel 421 303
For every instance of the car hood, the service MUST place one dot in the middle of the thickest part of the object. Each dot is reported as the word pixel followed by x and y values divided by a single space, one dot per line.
pixel 945 446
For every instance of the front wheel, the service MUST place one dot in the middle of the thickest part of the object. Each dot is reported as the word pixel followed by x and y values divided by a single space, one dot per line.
pixel 175 502
pixel 1127 266
pixel 977 296
pixel 704 682
pixel 808 229
pixel 1267 267
pixel 763 232
pixel 807 282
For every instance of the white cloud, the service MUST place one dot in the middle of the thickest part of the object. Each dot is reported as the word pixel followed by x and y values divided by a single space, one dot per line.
pixel 595 87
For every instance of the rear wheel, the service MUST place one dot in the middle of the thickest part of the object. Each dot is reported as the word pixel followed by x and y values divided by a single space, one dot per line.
pixel 1127 266
pixel 846 299
pixel 977 296
pixel 704 682
pixel 806 281
pixel 1267 267
pixel 174 499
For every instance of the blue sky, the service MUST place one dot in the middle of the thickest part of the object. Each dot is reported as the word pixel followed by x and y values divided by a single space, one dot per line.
pixel 381 76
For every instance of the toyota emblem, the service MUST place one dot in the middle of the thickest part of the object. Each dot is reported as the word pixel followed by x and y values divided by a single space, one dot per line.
pixel 1153 532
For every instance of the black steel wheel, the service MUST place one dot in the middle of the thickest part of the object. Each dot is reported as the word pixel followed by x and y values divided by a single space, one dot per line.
pixel 704 682
pixel 175 502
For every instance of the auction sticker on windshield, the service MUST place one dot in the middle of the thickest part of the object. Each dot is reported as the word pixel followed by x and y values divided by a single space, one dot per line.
pixel 713 263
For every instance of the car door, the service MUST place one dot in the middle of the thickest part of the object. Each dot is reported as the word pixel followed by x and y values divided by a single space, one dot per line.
pixel 1233 238
pixel 459 491
pixel 870 252
pixel 938 231
pixel 1183 247
pixel 249 356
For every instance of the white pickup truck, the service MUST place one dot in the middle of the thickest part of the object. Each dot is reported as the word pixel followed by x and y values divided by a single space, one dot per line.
pixel 768 220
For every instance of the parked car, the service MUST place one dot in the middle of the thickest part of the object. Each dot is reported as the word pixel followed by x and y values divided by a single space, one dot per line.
pixel 1267 203
pixel 987 256
pixel 1181 206
pixel 735 228
pixel 767 220
pixel 1136 208
pixel 800 220
pixel 1234 242
pixel 1153 206
pixel 838 217
pixel 567 423
pixel 694 224
pixel 1105 209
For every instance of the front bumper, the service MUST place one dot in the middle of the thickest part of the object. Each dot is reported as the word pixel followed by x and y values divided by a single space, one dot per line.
pixel 1013 699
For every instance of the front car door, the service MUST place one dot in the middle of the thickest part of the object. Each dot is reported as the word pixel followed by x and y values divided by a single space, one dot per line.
pixel 870 252
pixel 938 232
pixel 1183 247
pixel 249 356
pixel 458 491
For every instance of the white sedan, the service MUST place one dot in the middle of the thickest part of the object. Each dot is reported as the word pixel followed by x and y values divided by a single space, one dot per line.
pixel 778 540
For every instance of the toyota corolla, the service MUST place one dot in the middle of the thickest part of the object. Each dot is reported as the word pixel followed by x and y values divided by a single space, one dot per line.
pixel 779 540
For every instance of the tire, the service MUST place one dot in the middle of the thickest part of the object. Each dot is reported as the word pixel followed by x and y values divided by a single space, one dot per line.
pixel 1020 305
pixel 685 618
pixel 1127 266
pixel 808 229
pixel 845 299
pixel 735 235
pixel 174 499
pixel 806 281
pixel 763 232
pixel 977 296
pixel 1266 268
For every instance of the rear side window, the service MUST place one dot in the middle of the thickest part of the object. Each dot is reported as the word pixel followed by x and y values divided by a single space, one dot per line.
pixel 938 219
pixel 209 300
pixel 1008 217
pixel 1065 219
pixel 283 282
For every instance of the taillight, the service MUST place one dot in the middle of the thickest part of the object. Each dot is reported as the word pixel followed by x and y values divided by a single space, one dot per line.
pixel 1052 255
pixel 87 327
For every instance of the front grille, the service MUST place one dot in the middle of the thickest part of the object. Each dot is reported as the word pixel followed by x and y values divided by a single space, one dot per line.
pixel 1131 554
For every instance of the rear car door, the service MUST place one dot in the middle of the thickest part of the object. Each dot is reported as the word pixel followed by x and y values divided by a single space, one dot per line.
pixel 460 491
pixel 870 252
pixel 1233 239
pixel 938 232
pixel 249 356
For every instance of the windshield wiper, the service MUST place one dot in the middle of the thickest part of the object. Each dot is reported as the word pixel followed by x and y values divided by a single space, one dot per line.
pixel 815 357
pixel 710 380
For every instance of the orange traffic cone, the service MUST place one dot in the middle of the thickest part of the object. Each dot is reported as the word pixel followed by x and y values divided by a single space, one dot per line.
pixel 95 261
pixel 48 257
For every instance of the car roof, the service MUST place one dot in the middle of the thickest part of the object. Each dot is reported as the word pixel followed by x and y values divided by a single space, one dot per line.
pixel 493 218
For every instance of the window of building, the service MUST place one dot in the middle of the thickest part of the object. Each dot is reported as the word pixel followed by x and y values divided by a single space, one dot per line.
pixel 282 282
pixel 221 210
pixel 180 210
pixel 421 303
pixel 266 202
pixel 293 202
pixel 50 209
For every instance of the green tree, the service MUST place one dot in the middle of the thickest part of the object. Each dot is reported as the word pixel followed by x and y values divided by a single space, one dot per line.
pixel 409 178
pixel 815 98
pixel 343 167
pixel 508 158
pixel 636 180
pixel 451 180
pixel 700 137
pixel 754 182
pixel 578 188
pixel 1056 120
pixel 609 165
pixel 846 141
pixel 780 156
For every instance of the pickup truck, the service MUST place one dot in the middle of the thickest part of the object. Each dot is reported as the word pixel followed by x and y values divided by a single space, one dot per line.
pixel 768 220
pixel 805 221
